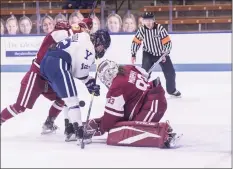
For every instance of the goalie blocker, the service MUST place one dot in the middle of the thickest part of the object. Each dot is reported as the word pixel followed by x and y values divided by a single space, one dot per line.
pixel 141 134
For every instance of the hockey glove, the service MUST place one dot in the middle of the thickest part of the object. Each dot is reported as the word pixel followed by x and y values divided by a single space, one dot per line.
pixel 92 87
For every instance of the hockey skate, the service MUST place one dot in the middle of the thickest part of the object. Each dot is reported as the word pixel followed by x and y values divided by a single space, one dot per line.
pixel 80 134
pixel 176 94
pixel 69 131
pixel 173 140
pixel 49 126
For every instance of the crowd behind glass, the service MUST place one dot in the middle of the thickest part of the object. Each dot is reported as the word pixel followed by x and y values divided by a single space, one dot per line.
pixel 14 25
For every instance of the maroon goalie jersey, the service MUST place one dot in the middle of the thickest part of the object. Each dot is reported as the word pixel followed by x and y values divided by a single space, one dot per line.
pixel 125 97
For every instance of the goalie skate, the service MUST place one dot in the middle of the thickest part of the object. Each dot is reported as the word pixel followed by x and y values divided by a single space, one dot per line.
pixel 173 140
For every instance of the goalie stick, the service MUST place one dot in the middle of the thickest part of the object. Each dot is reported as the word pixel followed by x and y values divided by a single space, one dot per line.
pixel 156 63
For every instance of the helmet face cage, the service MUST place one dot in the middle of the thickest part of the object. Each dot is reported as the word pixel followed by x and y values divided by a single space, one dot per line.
pixel 99 51
pixel 101 38
pixel 107 71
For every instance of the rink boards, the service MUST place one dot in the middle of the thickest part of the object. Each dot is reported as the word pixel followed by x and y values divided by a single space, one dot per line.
pixel 190 52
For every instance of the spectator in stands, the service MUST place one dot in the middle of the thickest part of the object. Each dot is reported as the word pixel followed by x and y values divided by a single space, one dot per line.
pixel 60 17
pixel 2 27
pixel 12 25
pixel 140 21
pixel 181 2
pixel 78 4
pixel 47 23
pixel 35 22
pixel 25 25
pixel 129 23
pixel 96 24
pixel 75 18
pixel 71 4
pixel 114 23
pixel 85 4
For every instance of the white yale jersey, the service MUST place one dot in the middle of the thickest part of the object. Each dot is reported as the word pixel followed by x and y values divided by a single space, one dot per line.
pixel 82 53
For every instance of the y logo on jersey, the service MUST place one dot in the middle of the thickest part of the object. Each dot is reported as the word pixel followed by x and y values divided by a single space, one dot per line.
pixel 88 53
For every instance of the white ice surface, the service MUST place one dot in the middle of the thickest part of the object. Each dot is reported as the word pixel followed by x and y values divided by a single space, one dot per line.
pixel 203 115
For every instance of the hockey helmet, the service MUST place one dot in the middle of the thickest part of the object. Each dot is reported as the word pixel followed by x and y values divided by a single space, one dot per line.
pixel 101 40
pixel 86 23
pixel 107 71
pixel 62 25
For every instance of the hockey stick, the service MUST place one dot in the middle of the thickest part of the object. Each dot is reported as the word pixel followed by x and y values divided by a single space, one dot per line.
pixel 93 8
pixel 156 63
pixel 92 96
pixel 88 113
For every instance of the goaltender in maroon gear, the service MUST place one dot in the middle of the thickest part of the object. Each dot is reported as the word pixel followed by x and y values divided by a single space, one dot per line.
pixel 133 108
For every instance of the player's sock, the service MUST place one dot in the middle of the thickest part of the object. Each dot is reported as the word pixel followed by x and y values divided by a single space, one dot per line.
pixel 65 112
pixel 56 108
pixel 11 111
pixel 75 115
pixel 6 115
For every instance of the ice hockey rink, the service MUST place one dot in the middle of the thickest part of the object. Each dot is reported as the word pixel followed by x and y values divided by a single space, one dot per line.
pixel 203 115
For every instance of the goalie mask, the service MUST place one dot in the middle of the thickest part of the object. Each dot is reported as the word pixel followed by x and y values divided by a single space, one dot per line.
pixel 107 71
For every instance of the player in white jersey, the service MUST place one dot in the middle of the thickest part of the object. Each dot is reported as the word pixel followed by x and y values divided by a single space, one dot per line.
pixel 73 57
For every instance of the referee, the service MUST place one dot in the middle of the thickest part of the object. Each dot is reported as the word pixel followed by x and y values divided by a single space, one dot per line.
pixel 156 42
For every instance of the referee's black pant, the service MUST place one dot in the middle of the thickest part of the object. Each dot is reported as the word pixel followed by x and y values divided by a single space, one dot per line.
pixel 167 67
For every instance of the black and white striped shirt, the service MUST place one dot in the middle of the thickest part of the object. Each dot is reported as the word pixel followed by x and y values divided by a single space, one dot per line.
pixel 156 41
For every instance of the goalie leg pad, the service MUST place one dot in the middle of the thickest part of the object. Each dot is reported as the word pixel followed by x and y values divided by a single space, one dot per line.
pixel 139 134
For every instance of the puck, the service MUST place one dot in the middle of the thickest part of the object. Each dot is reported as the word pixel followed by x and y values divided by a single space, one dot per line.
pixel 82 103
